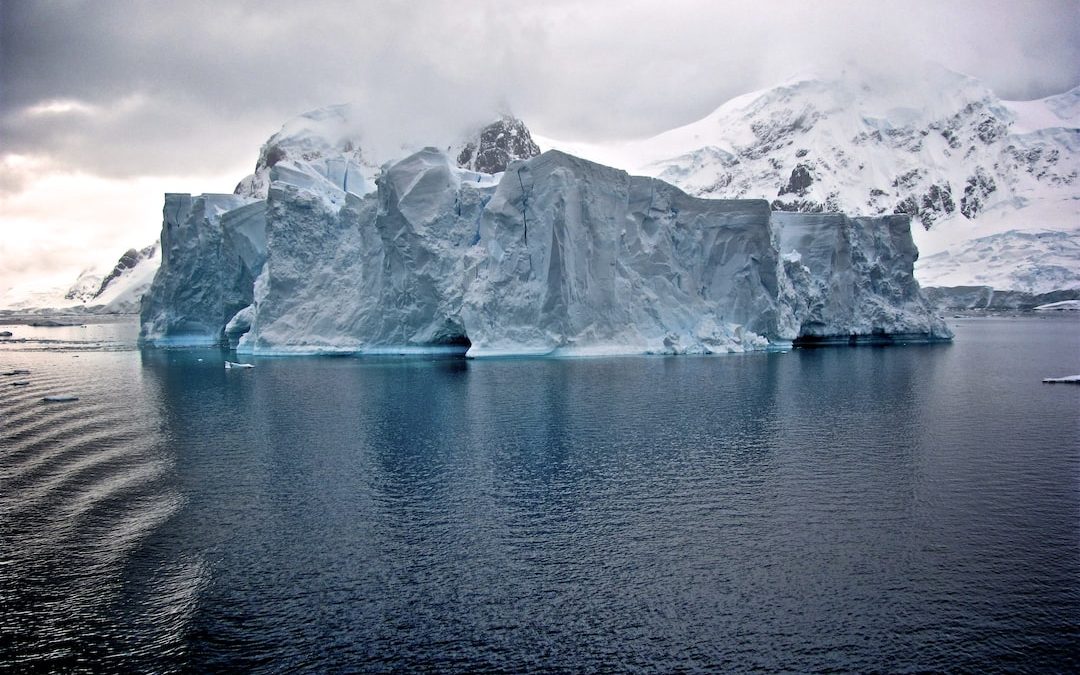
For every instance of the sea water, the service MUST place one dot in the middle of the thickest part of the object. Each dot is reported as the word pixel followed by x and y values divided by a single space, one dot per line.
pixel 869 508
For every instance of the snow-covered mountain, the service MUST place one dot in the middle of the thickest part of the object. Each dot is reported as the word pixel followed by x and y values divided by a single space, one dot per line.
pixel 939 146
pixel 115 288
pixel 1031 261
pixel 122 288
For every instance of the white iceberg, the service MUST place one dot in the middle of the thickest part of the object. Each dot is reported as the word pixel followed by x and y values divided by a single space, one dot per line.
pixel 556 255
pixel 1064 305
pixel 1068 379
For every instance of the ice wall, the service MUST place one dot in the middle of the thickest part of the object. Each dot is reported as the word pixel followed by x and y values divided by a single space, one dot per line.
pixel 379 273
pixel 576 257
pixel 212 247
pixel 853 277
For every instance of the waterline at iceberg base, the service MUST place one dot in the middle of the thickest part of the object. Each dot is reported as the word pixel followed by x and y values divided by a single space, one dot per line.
pixel 555 255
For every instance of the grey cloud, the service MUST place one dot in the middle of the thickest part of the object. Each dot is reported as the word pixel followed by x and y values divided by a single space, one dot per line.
pixel 215 81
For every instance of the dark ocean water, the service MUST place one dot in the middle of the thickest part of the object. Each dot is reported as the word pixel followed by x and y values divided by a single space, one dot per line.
pixel 872 508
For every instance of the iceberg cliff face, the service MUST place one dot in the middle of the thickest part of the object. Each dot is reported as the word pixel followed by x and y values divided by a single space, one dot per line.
pixel 211 246
pixel 378 273
pixel 556 255
pixel 575 257
pixel 853 277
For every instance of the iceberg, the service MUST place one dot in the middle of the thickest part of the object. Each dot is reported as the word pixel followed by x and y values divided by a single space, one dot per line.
pixel 1062 306
pixel 1068 379
pixel 551 255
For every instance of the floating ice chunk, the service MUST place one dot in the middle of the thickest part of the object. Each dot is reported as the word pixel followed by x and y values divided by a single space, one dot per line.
pixel 1068 379
pixel 229 365
pixel 62 398
pixel 1070 305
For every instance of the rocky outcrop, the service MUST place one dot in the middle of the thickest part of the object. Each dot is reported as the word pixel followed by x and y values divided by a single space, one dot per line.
pixel 128 261
pixel 497 145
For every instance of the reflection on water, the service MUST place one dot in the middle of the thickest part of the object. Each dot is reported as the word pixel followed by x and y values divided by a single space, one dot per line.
pixel 857 509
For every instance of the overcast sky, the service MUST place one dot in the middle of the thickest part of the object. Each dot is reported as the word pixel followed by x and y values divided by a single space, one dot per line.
pixel 106 105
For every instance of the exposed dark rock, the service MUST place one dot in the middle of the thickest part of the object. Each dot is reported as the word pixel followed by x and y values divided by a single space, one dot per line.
pixel 951 138
pixel 910 206
pixel 990 129
pixel 909 180
pixel 935 202
pixel 939 198
pixel 800 180
pixel 270 156
pixel 128 261
pixel 978 188
pixel 498 144
pixel 776 132
pixel 797 206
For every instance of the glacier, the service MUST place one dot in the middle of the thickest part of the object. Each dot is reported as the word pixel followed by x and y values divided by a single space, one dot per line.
pixel 519 254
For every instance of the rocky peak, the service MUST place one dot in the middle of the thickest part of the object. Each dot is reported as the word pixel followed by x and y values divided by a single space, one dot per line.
pixel 496 145
pixel 127 262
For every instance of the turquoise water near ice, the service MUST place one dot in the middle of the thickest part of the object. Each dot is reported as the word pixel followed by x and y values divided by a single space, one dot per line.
pixel 869 508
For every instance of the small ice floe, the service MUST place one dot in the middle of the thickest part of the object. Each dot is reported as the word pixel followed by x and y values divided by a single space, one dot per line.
pixel 22 383
pixel 16 372
pixel 5 333
pixel 62 398
pixel 1063 306
pixel 229 365
pixel 1068 379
